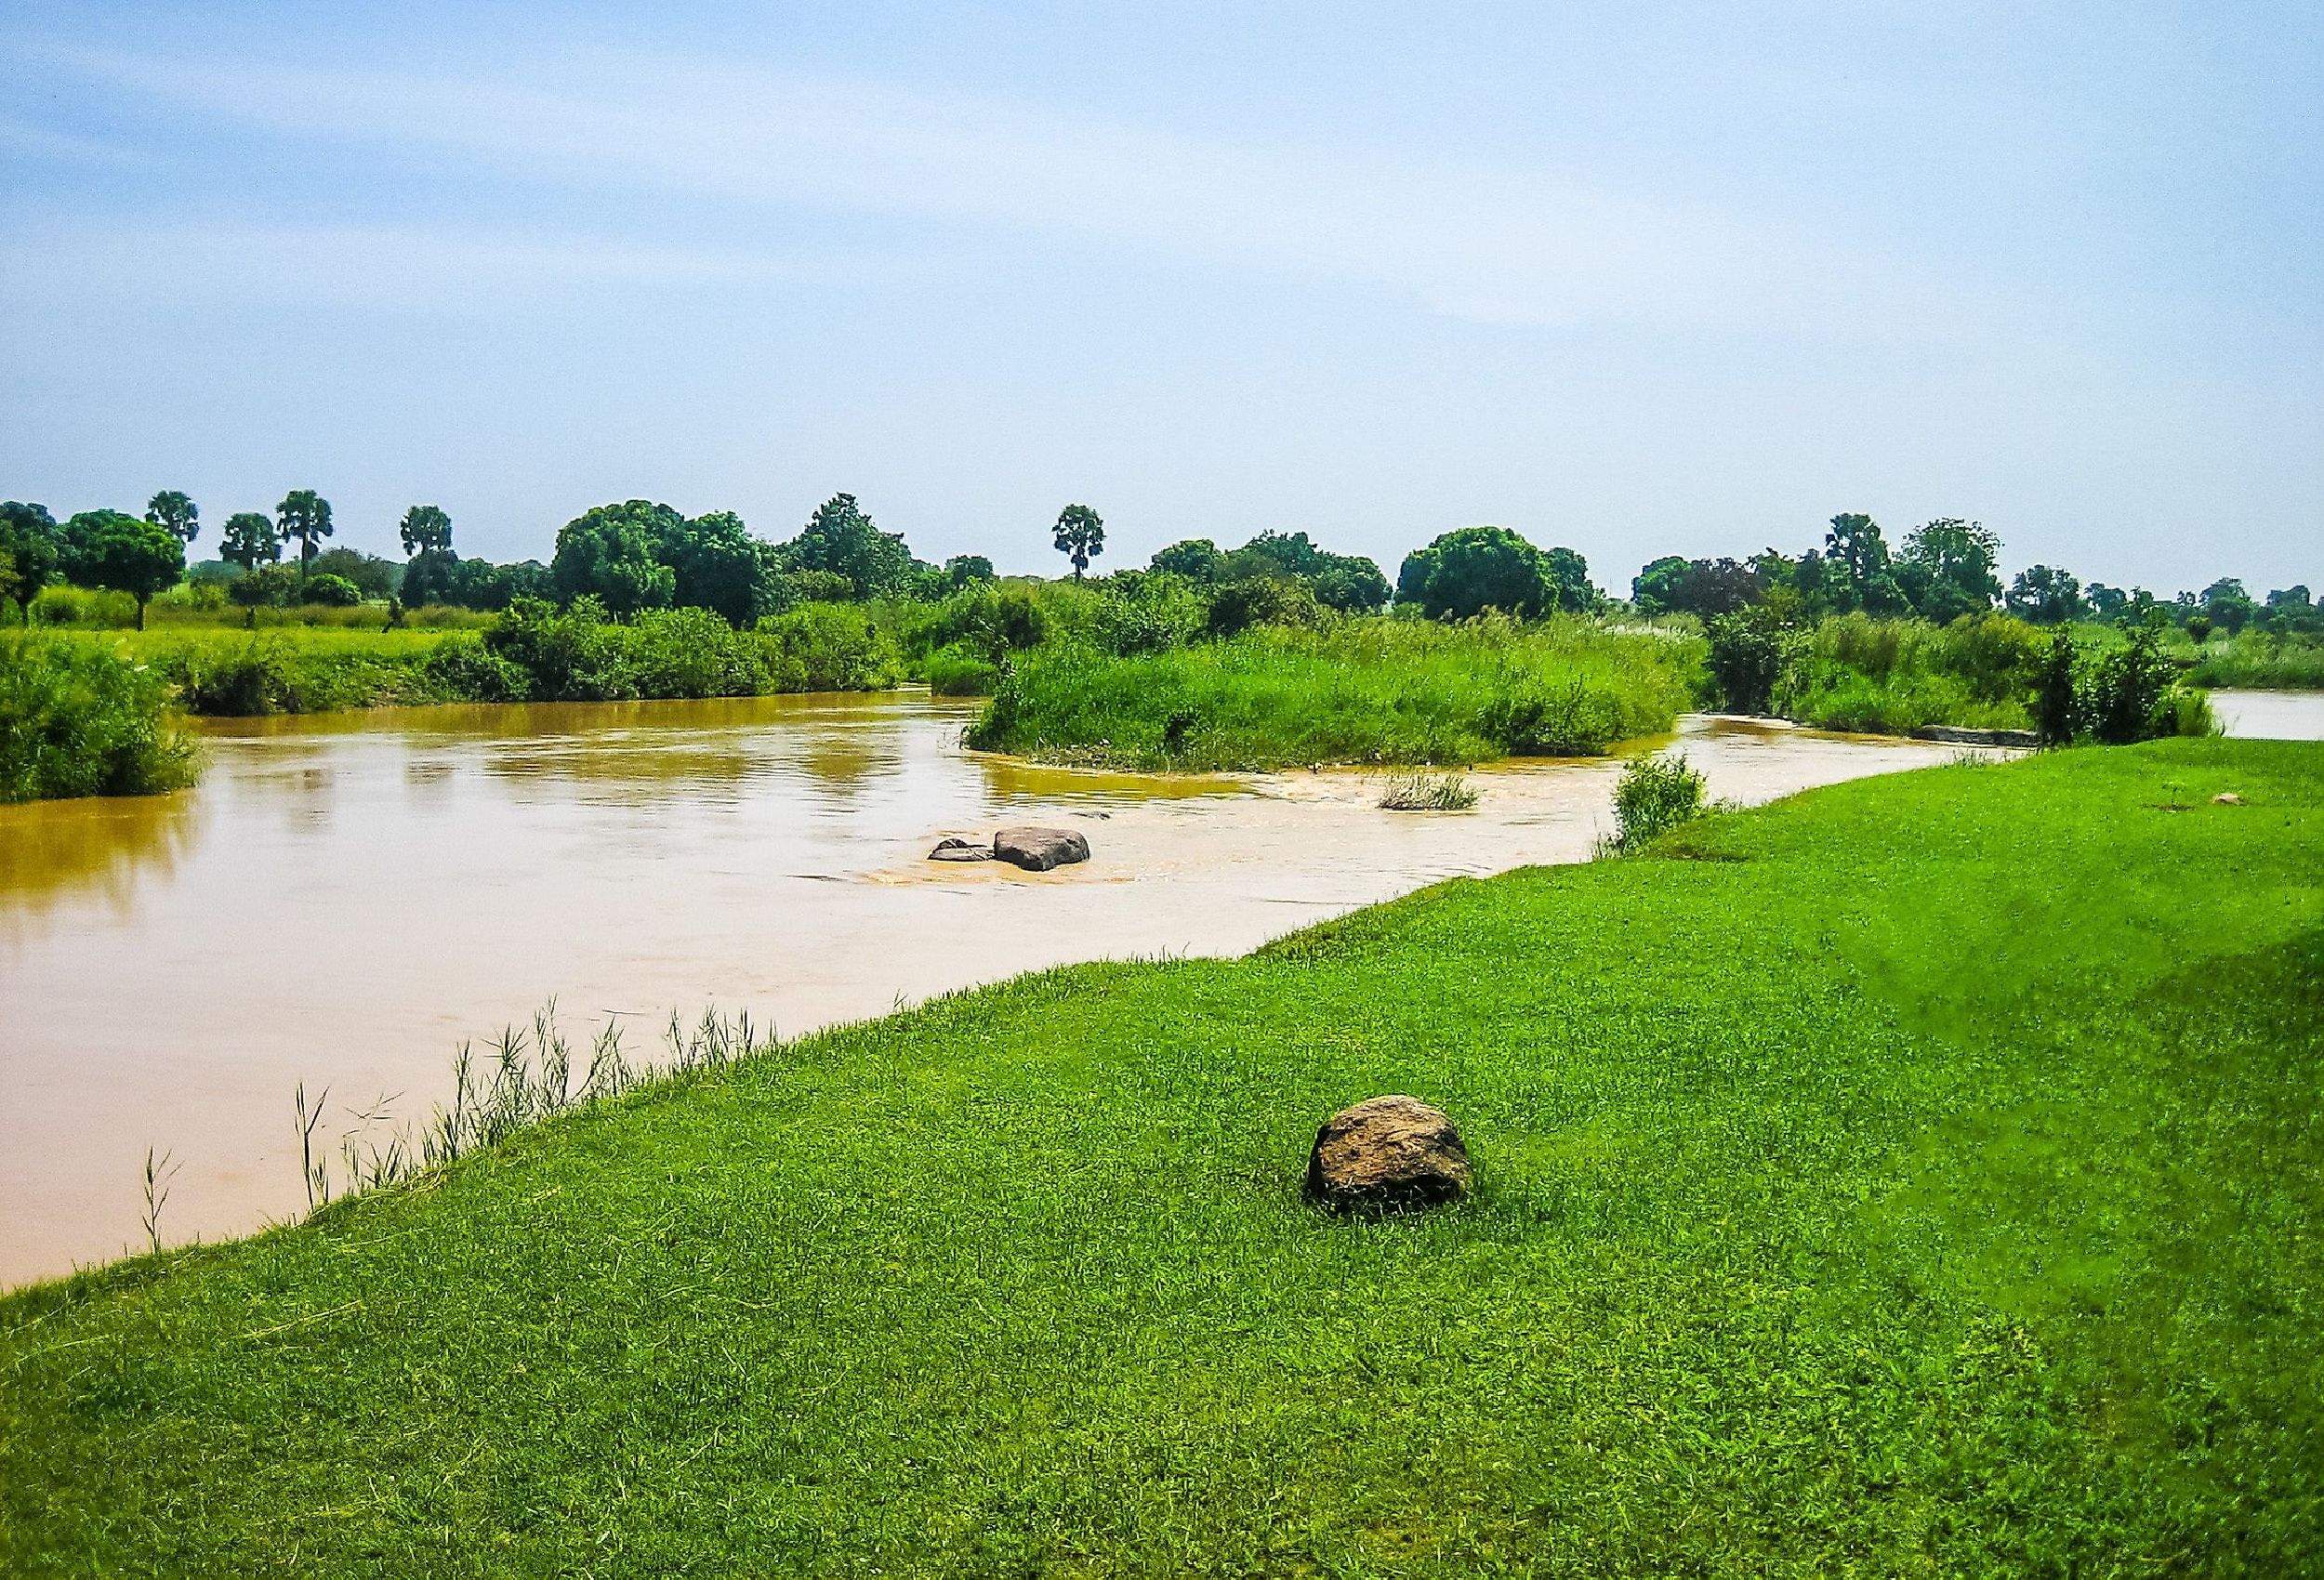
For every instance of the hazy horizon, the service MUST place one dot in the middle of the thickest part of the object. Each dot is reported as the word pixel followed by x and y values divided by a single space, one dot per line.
pixel 1642 282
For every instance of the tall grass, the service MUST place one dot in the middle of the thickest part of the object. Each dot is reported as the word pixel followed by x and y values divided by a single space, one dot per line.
pixel 79 719
pixel 1354 691
pixel 2261 661
pixel 1428 793
pixel 526 1075
pixel 1892 677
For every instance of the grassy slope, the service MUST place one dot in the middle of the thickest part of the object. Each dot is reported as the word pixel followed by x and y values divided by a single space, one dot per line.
pixel 1929 1185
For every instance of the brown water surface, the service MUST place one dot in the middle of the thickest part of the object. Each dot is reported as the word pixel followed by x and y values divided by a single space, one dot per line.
pixel 346 897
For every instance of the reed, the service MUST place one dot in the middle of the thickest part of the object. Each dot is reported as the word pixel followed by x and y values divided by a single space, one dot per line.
pixel 1427 793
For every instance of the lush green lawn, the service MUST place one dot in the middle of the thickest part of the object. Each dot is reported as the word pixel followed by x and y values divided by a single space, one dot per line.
pixel 1925 1177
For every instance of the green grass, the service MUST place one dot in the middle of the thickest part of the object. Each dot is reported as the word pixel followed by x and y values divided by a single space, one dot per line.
pixel 1924 1175
pixel 74 721
pixel 2258 660
pixel 1358 690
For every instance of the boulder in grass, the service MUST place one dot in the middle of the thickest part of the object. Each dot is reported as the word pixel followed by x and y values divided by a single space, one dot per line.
pixel 1389 1151
pixel 1038 850
pixel 958 851
pixel 2226 798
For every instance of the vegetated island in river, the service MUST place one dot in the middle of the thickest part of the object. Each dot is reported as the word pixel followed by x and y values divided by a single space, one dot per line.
pixel 1918 1175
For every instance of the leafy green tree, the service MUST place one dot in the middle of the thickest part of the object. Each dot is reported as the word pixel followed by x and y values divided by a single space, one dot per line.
pixel 268 586
pixel 1569 577
pixel 426 529
pixel 1079 536
pixel 612 554
pixel 172 509
pixel 1947 569
pixel 333 591
pixel 2043 595
pixel 106 548
pixel 1752 651
pixel 373 576
pixel 2228 604
pixel 1196 559
pixel 840 539
pixel 967 570
pixel 29 539
pixel 304 515
pixel 720 566
pixel 1652 590
pixel 1858 574
pixel 249 540
pixel 1471 569
pixel 2106 604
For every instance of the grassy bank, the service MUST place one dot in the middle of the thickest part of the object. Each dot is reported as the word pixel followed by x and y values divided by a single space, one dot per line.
pixel 1922 1179
pixel 1355 690
pixel 2259 661
pixel 75 722
pixel 531 654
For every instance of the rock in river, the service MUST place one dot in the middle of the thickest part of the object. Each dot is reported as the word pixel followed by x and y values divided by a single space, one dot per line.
pixel 958 851
pixel 1038 850
pixel 1388 1151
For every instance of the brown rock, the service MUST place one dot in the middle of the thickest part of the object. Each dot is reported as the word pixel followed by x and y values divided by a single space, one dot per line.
pixel 1038 850
pixel 958 851
pixel 1388 1151
pixel 2226 798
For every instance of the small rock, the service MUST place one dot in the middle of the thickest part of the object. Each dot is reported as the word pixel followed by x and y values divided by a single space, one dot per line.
pixel 2226 798
pixel 1038 850
pixel 958 851
pixel 1387 1151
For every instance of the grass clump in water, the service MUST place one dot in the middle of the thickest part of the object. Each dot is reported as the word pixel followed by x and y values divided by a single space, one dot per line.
pixel 1428 793
pixel 1654 796
pixel 1349 691
pixel 77 720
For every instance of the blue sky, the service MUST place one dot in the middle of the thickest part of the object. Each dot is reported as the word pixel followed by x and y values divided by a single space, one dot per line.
pixel 1637 278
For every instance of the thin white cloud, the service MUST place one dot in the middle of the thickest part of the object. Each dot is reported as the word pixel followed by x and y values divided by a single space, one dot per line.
pixel 1495 245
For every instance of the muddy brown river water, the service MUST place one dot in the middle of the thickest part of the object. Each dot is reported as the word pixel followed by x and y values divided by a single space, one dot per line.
pixel 346 897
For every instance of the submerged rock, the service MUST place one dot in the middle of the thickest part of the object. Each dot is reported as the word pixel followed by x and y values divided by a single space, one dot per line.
pixel 1038 850
pixel 2024 740
pixel 1389 1151
pixel 958 851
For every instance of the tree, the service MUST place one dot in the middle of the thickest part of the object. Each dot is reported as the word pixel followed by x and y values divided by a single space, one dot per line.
pixel 304 515
pixel 1569 577
pixel 106 548
pixel 2044 596
pixel 172 509
pixel 34 547
pixel 249 540
pixel 1857 573
pixel 426 529
pixel 1079 536
pixel 967 570
pixel 840 539
pixel 1471 569
pixel 2228 604
pixel 1196 559
pixel 609 553
pixel 1652 590
pixel 1946 569
pixel 720 566
pixel 2106 604
pixel 334 591
pixel 371 576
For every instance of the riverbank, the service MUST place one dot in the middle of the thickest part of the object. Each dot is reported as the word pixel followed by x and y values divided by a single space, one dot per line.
pixel 1814 1230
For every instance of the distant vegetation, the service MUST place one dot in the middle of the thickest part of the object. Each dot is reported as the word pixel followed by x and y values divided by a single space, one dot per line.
pixel 1276 652
pixel 78 722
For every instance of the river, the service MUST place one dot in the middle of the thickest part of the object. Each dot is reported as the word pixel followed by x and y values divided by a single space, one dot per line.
pixel 346 897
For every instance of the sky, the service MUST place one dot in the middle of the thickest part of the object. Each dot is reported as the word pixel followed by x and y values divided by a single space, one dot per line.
pixel 1636 279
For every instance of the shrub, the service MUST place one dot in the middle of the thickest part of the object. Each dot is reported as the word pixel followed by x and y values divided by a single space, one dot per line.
pixel 692 653
pixel 1428 793
pixel 1749 651
pixel 78 720
pixel 1655 795
pixel 463 670
pixel 829 647
pixel 243 684
pixel 2131 696
pixel 955 672
pixel 331 592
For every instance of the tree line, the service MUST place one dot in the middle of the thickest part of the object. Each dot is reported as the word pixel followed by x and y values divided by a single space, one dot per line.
pixel 638 555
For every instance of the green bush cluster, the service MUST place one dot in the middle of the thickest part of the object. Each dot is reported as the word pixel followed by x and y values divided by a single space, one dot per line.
pixel 1655 795
pixel 1353 691
pixel 78 720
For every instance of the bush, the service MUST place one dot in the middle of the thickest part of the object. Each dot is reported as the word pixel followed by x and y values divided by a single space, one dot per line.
pixel 829 647
pixel 2130 695
pixel 331 592
pixel 1656 795
pixel 1750 649
pixel 692 653
pixel 78 720
pixel 463 670
pixel 955 672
